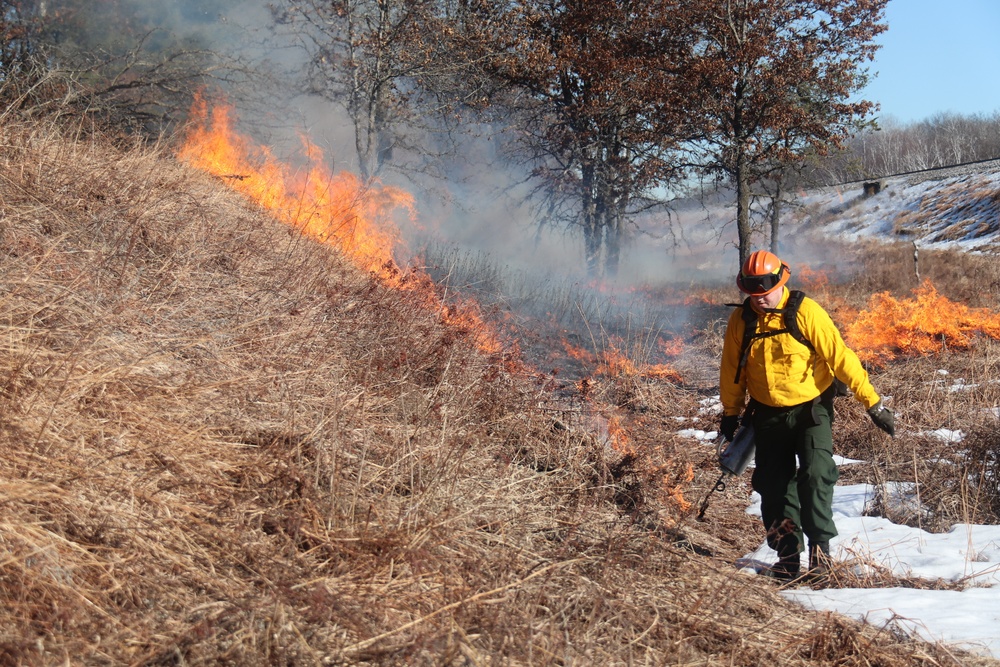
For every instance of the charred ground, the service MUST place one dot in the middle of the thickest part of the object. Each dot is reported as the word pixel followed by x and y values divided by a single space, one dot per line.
pixel 223 444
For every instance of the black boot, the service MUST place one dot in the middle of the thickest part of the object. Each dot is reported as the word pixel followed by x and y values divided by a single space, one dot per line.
pixel 783 538
pixel 786 569
pixel 819 560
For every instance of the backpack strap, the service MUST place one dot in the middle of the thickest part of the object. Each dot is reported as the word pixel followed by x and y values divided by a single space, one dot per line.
pixel 790 322
pixel 749 333
pixel 791 317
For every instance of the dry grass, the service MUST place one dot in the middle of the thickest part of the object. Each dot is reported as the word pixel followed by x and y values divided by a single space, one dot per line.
pixel 222 445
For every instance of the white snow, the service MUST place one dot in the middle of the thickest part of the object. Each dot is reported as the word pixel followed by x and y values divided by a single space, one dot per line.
pixel 933 210
pixel 698 434
pixel 964 619
pixel 967 554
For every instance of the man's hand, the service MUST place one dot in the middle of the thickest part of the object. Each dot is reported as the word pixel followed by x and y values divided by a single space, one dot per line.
pixel 728 426
pixel 883 418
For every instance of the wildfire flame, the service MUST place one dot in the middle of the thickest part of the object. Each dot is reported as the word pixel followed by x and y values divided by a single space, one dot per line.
pixel 357 218
pixel 618 436
pixel 812 279
pixel 674 486
pixel 612 362
pixel 671 348
pixel 927 324
pixel 671 478
pixel 335 208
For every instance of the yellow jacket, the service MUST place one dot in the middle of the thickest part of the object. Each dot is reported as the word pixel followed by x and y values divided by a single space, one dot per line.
pixel 782 372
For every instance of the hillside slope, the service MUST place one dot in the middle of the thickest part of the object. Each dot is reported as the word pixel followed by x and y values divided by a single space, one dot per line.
pixel 222 444
pixel 955 207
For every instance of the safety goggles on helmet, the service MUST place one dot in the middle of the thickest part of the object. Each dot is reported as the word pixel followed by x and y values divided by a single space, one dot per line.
pixel 758 285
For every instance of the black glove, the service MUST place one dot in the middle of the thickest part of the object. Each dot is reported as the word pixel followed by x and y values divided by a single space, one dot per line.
pixel 883 418
pixel 728 426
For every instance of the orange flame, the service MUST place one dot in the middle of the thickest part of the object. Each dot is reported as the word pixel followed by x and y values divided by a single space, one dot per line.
pixel 927 324
pixel 612 362
pixel 619 437
pixel 466 318
pixel 579 353
pixel 812 279
pixel 671 348
pixel 615 363
pixel 701 299
pixel 675 487
pixel 334 208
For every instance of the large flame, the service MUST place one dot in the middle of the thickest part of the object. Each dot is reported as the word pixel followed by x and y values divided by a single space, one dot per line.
pixel 357 218
pixel 927 324
pixel 336 208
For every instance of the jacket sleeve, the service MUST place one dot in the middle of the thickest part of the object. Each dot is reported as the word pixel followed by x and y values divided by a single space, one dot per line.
pixel 732 393
pixel 830 347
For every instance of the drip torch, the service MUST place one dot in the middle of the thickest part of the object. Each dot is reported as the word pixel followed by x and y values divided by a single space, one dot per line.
pixel 734 457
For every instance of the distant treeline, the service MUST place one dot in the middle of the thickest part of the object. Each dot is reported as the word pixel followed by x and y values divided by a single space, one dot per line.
pixel 943 140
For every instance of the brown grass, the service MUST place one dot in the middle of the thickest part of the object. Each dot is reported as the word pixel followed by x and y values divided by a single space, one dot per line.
pixel 222 445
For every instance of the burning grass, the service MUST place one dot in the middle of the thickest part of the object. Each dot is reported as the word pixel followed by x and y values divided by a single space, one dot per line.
pixel 929 323
pixel 224 443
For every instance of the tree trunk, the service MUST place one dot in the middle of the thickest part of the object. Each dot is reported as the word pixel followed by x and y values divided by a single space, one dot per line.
pixel 592 247
pixel 776 217
pixel 743 205
pixel 592 222
pixel 612 244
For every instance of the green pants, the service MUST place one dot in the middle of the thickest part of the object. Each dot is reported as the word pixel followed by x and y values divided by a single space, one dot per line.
pixel 795 499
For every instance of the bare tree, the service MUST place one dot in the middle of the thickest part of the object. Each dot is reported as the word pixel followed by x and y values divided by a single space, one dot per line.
pixel 20 25
pixel 772 84
pixel 589 103
pixel 894 148
pixel 118 63
pixel 372 58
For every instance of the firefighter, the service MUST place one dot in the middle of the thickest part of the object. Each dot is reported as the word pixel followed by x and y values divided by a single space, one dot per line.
pixel 790 383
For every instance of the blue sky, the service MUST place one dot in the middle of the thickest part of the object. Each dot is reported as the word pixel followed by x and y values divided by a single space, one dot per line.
pixel 938 56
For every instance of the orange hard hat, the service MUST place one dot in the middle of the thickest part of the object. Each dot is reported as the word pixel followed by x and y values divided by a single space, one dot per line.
pixel 762 273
